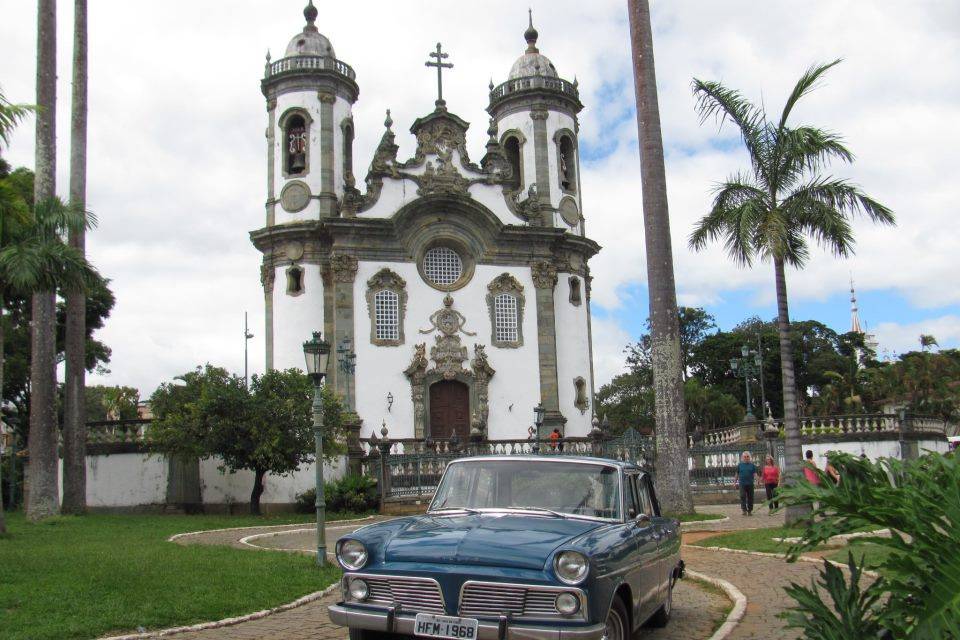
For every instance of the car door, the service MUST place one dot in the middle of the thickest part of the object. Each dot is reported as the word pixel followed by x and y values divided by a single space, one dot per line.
pixel 645 570
pixel 664 536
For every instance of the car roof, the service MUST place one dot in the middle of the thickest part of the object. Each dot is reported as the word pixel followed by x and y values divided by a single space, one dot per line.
pixel 557 458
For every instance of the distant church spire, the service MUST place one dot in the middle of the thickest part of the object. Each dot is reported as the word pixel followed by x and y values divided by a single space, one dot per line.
pixel 855 326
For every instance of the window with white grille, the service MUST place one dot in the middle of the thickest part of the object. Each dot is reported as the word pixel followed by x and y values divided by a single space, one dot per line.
pixel 506 327
pixel 442 266
pixel 387 315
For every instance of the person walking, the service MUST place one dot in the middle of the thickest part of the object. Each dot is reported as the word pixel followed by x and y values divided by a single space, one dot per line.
pixel 771 482
pixel 746 472
pixel 555 436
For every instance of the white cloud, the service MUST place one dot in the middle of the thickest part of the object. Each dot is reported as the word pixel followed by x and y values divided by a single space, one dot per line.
pixel 896 338
pixel 177 155
pixel 609 339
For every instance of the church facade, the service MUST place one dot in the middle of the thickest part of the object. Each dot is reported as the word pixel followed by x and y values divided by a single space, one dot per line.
pixel 455 294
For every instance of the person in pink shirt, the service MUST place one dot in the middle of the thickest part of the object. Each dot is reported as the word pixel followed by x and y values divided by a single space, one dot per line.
pixel 771 481
pixel 810 469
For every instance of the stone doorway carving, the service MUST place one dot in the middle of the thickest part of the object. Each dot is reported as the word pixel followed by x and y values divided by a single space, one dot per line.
pixel 449 410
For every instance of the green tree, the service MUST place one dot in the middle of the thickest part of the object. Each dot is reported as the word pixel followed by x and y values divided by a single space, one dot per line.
pixel 927 341
pixel 264 429
pixel 770 212
pixel 672 478
pixel 110 403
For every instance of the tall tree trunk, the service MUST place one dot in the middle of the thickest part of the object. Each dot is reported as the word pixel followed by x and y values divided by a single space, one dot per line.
pixel 44 497
pixel 257 491
pixel 74 418
pixel 791 420
pixel 672 477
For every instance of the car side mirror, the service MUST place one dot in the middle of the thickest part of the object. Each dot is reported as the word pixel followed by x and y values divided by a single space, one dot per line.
pixel 642 520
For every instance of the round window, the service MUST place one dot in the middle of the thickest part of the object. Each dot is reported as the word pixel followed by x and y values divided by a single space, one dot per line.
pixel 442 266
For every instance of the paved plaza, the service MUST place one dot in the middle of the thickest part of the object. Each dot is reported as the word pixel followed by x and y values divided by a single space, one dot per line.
pixel 697 611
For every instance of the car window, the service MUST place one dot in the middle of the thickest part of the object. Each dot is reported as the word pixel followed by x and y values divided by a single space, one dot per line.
pixel 630 496
pixel 645 498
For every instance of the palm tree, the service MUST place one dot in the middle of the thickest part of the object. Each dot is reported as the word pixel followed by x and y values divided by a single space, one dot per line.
pixel 13 211
pixel 672 477
pixel 43 499
pixel 74 422
pixel 770 212
pixel 927 341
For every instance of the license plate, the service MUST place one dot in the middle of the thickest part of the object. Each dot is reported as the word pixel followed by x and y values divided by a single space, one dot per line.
pixel 451 627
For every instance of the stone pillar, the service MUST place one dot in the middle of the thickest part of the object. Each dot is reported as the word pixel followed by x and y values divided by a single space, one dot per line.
pixel 544 281
pixel 383 446
pixel 344 268
pixel 327 196
pixel 267 277
pixel 354 450
pixel 542 164
pixel 271 159
pixel 909 448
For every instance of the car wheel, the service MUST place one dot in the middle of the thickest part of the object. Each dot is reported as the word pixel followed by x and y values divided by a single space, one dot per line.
pixel 367 634
pixel 662 616
pixel 617 622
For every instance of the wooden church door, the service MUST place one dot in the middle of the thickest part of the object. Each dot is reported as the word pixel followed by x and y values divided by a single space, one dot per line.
pixel 449 410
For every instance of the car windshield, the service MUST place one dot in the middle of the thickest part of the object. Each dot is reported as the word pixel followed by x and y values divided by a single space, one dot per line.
pixel 553 487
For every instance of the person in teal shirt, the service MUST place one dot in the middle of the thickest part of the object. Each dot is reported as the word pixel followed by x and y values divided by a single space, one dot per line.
pixel 746 472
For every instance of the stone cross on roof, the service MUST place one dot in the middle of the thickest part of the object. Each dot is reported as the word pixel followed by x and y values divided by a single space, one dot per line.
pixel 440 65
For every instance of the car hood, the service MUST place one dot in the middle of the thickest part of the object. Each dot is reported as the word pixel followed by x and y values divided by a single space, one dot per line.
pixel 496 539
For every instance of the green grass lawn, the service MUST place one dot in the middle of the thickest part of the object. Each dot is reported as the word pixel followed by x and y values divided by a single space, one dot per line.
pixel 697 517
pixel 874 554
pixel 753 539
pixel 81 577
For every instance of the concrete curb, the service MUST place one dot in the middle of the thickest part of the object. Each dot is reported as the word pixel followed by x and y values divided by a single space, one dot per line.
pixel 780 556
pixel 736 596
pixel 178 536
pixel 703 523
pixel 226 622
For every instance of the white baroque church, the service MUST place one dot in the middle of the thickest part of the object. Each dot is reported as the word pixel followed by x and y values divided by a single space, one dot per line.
pixel 462 289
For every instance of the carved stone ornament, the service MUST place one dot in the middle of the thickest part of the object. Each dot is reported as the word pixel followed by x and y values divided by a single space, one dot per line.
pixel 386 280
pixel 440 133
pixel 295 196
pixel 326 97
pixel 445 179
pixel 447 320
pixel 505 284
pixel 580 394
pixel 544 275
pixel 527 209
pixel 293 250
pixel 344 267
pixel 449 355
pixel 267 277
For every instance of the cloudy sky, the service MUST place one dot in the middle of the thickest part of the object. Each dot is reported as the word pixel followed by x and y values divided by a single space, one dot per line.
pixel 177 153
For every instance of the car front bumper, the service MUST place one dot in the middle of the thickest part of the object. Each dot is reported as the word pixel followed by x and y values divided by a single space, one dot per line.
pixel 393 620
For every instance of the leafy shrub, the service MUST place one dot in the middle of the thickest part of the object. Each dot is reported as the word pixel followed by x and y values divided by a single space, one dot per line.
pixel 917 592
pixel 353 493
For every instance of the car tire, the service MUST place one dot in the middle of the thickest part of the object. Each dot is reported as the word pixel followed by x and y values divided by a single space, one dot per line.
pixel 618 622
pixel 367 634
pixel 662 615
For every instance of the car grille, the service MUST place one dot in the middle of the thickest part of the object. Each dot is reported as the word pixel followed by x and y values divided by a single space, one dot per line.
pixel 412 594
pixel 492 599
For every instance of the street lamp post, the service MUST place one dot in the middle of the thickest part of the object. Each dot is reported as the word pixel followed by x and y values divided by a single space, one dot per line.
pixel 246 341
pixel 746 367
pixel 316 351
pixel 348 363
pixel 538 413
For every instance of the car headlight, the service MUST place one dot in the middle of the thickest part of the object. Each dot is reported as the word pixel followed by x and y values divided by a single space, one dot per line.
pixel 567 603
pixel 571 567
pixel 351 554
pixel 359 590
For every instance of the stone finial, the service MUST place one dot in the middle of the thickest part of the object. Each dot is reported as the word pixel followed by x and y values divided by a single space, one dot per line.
pixel 531 35
pixel 268 56
pixel 492 130
pixel 491 84
pixel 605 424
pixel 595 422
pixel 310 13
pixel 383 429
pixel 388 122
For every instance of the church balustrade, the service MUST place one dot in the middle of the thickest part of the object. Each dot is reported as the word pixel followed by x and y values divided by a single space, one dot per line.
pixel 294 64
pixel 533 82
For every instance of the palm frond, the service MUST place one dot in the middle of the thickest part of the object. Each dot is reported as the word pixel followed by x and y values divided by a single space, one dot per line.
pixel 717 101
pixel 846 198
pixel 11 115
pixel 807 149
pixel 53 217
pixel 737 207
pixel 806 84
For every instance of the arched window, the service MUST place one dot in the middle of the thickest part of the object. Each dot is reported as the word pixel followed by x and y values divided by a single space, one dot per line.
pixel 575 296
pixel 567 163
pixel 296 145
pixel 387 315
pixel 505 301
pixel 386 303
pixel 347 128
pixel 512 148
pixel 295 280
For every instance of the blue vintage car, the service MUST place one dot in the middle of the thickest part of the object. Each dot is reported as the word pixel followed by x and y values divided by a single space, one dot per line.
pixel 516 547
